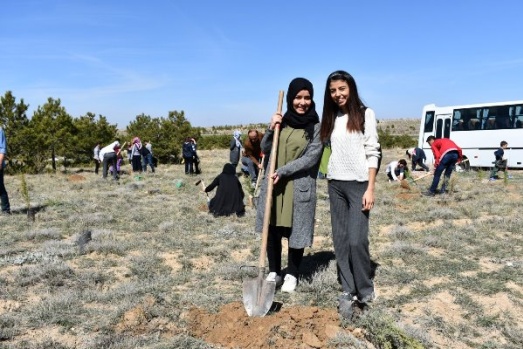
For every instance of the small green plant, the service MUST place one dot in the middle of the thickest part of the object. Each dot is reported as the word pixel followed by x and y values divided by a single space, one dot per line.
pixel 25 192
pixel 481 174
pixel 384 333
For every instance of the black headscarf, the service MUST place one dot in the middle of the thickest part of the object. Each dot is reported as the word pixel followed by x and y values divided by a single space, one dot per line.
pixel 229 169
pixel 295 120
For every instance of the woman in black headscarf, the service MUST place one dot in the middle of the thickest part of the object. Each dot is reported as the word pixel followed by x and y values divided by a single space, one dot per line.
pixel 229 195
pixel 294 195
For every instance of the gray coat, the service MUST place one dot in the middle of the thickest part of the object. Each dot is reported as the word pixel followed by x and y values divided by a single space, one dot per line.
pixel 303 171
pixel 234 155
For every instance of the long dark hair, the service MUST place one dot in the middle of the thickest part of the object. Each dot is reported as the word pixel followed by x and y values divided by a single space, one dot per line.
pixel 355 106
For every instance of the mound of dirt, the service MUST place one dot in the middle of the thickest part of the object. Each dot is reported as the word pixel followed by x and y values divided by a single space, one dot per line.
pixel 76 178
pixel 296 327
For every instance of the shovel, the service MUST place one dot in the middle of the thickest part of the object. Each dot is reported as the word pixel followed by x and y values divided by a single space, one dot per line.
pixel 405 184
pixel 253 202
pixel 258 293
pixel 203 188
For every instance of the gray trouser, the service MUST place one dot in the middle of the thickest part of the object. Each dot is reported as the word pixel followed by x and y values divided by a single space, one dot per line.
pixel 350 234
pixel 109 160
pixel 251 166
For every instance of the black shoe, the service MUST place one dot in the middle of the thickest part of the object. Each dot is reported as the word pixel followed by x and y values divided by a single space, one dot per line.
pixel 428 193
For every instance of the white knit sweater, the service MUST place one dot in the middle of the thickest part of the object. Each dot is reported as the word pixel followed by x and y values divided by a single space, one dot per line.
pixel 353 153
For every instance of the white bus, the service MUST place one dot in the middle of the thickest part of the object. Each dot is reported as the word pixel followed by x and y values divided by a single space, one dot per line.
pixel 477 129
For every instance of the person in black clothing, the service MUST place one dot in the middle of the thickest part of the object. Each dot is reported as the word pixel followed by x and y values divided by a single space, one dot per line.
pixel 189 155
pixel 229 195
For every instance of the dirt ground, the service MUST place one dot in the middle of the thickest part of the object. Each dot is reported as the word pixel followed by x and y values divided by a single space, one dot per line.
pixel 312 327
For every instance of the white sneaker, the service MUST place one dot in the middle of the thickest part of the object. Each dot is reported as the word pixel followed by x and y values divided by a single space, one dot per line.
pixel 273 277
pixel 290 283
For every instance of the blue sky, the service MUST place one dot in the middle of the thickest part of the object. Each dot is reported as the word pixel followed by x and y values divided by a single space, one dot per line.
pixel 223 62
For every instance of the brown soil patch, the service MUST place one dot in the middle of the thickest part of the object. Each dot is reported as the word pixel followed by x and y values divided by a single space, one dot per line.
pixel 76 178
pixel 296 327
pixel 497 304
pixel 8 306
pixel 241 255
pixel 408 196
pixel 202 263
pixel 171 260
pixel 138 321
pixel 68 339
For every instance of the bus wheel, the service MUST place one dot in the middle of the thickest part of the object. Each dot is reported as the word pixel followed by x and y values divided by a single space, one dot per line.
pixel 464 165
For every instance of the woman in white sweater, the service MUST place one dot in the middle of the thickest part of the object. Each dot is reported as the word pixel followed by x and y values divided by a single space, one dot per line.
pixel 350 128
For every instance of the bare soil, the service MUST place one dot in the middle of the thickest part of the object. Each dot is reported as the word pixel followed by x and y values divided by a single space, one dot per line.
pixel 312 327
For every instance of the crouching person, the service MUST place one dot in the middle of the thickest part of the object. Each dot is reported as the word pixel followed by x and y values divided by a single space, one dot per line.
pixel 229 195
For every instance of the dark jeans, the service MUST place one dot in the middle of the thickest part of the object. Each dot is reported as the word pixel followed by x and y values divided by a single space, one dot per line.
pixel 419 162
pixel 274 247
pixel 4 198
pixel 147 160
pixel 96 166
pixel 189 165
pixel 447 164
pixel 109 160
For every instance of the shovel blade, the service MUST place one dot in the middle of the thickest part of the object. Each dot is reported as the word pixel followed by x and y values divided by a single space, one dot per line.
pixel 258 295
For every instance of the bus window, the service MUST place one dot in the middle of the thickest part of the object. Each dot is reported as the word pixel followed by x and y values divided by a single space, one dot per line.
pixel 502 117
pixel 446 130
pixel 429 121
pixel 457 124
pixel 518 116
pixel 439 127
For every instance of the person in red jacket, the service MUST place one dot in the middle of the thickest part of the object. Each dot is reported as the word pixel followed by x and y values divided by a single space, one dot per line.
pixel 446 155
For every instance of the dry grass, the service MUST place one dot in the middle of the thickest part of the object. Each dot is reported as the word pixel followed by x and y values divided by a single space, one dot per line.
pixel 109 265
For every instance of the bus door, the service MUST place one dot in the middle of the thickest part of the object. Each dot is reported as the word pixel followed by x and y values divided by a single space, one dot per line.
pixel 443 125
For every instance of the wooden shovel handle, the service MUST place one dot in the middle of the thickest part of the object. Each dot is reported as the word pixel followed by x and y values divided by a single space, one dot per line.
pixel 425 175
pixel 270 186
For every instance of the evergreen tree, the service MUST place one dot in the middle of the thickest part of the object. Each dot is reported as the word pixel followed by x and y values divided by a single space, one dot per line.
pixel 54 132
pixel 90 131
pixel 14 120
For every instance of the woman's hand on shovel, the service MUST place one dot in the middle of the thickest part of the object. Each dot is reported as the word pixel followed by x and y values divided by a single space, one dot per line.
pixel 275 177
pixel 276 119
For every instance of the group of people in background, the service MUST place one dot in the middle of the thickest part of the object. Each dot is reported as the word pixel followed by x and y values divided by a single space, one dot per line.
pixel 140 155
pixel 190 156
pixel 111 157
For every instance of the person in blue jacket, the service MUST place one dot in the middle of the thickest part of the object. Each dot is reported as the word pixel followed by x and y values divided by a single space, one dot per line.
pixel 500 163
pixel 4 198
pixel 189 155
